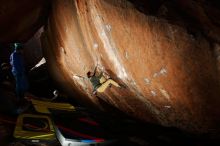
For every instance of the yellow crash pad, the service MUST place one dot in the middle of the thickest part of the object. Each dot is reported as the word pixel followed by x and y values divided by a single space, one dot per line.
pixel 44 106
pixel 34 127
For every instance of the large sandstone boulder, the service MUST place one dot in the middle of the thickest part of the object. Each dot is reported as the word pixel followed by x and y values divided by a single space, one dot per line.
pixel 167 62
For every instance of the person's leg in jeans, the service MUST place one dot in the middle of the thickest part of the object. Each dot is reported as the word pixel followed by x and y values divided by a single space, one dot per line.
pixel 19 90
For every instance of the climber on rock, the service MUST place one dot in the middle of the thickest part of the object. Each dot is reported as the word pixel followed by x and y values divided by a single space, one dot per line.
pixel 100 82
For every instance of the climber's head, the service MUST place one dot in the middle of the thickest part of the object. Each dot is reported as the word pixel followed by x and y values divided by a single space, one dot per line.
pixel 89 74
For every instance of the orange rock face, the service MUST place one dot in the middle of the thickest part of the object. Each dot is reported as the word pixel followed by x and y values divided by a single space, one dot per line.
pixel 170 76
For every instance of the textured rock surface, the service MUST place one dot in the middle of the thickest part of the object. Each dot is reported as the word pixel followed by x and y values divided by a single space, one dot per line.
pixel 33 50
pixel 20 20
pixel 164 56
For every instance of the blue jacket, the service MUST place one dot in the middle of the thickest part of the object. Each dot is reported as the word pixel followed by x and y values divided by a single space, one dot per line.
pixel 17 63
